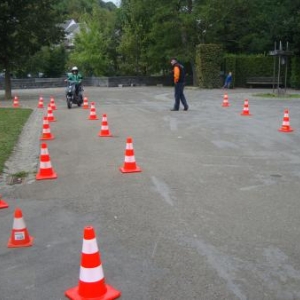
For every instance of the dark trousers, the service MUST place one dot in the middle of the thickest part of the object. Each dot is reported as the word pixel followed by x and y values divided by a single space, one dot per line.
pixel 77 88
pixel 179 96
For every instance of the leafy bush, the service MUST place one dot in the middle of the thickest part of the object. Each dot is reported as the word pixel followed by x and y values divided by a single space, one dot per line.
pixel 209 58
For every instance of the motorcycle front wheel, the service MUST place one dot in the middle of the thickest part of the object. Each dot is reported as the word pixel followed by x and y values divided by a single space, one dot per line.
pixel 69 102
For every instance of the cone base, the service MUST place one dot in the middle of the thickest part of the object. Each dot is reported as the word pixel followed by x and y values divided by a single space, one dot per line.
pixel 225 105
pixel 10 244
pixel 40 107
pixel 93 118
pixel 105 135
pixel 246 114
pixel 41 177
pixel 47 138
pixel 3 204
pixel 110 294
pixel 124 170
pixel 286 129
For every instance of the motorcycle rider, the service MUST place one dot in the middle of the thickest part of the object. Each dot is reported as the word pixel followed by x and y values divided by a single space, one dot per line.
pixel 76 78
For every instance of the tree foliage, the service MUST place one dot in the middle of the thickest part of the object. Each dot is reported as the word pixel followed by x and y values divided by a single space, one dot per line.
pixel 141 36
pixel 94 45
pixel 153 32
pixel 250 26
pixel 74 9
pixel 25 26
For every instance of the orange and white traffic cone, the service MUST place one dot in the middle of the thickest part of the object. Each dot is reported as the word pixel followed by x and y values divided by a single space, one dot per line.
pixel 91 284
pixel 93 115
pixel 16 102
pixel 19 236
pixel 46 134
pixel 45 171
pixel 3 204
pixel 41 102
pixel 104 132
pixel 246 111
pixel 52 103
pixel 130 165
pixel 225 101
pixel 50 115
pixel 286 123
pixel 85 103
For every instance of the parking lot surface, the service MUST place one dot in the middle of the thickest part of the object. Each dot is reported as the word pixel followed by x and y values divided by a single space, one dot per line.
pixel 214 214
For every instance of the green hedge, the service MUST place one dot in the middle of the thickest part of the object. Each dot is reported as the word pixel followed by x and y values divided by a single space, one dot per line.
pixel 244 66
pixel 295 73
pixel 209 58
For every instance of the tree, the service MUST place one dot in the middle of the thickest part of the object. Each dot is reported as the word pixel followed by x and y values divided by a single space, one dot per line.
pixel 174 31
pixel 134 17
pixel 74 9
pixel 244 26
pixel 94 45
pixel 25 26
pixel 50 61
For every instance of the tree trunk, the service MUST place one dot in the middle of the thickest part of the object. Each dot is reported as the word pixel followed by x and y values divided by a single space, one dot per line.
pixel 8 95
pixel 194 69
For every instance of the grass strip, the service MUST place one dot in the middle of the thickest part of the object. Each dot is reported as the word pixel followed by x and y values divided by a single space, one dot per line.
pixel 12 121
pixel 271 95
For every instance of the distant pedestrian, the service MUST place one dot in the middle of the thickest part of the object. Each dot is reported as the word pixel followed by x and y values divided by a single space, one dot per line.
pixel 179 80
pixel 228 81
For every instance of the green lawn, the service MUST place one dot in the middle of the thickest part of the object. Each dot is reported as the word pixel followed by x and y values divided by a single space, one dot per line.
pixel 271 95
pixel 12 121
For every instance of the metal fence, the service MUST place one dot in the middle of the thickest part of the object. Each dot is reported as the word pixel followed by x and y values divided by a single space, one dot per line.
pixel 31 83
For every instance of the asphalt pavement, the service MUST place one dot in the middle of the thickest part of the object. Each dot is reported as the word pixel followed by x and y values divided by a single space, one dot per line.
pixel 214 214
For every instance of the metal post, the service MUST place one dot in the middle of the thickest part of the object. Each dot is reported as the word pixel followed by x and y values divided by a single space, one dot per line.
pixel 274 68
pixel 278 76
pixel 286 67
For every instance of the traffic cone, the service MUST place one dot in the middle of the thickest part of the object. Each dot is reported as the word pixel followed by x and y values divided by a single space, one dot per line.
pixel 52 103
pixel 50 115
pixel 85 103
pixel 19 236
pixel 93 115
pixel 129 162
pixel 91 284
pixel 225 101
pixel 41 103
pixel 45 171
pixel 16 102
pixel 286 123
pixel 46 135
pixel 104 132
pixel 246 111
pixel 3 204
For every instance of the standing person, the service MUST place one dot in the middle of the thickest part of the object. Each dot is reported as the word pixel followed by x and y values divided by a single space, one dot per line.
pixel 179 77
pixel 76 78
pixel 228 81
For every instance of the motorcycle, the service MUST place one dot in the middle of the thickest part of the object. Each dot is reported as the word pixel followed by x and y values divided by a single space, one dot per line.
pixel 72 97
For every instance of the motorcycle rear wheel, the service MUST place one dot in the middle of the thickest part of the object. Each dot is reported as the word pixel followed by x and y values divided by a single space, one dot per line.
pixel 80 101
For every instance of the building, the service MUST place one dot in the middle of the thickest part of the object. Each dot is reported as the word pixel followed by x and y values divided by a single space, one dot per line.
pixel 71 28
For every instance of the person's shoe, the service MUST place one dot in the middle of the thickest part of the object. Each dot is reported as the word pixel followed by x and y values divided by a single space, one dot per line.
pixel 173 109
pixel 186 108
